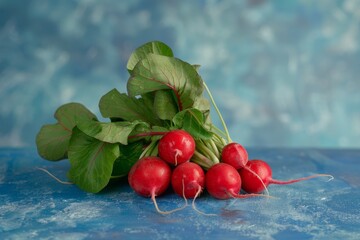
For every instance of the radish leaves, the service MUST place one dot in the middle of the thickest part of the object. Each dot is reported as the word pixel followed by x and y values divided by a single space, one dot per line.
pixel 129 154
pixel 193 121
pixel 155 47
pixel 165 104
pixel 91 161
pixel 119 105
pixel 163 93
pixel 111 132
pixel 155 72
pixel 53 139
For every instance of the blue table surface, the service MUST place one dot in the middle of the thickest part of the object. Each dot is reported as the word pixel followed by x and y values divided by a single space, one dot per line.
pixel 35 206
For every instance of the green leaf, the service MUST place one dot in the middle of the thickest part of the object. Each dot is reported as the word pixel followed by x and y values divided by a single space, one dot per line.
pixel 119 105
pixel 203 105
pixel 53 139
pixel 129 154
pixel 91 161
pixel 197 67
pixel 154 47
pixel 111 132
pixel 193 121
pixel 155 72
pixel 148 100
pixel 165 105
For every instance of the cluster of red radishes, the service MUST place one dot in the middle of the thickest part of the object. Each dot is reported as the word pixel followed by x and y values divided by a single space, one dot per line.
pixel 151 176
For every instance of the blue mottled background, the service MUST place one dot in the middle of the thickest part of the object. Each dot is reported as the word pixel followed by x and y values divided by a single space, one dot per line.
pixel 284 73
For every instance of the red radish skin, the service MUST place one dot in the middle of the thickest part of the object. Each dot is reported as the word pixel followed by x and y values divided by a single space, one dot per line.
pixel 188 180
pixel 256 169
pixel 150 177
pixel 176 147
pixel 235 155
pixel 223 181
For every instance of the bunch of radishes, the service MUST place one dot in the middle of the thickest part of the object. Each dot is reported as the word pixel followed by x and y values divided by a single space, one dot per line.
pixel 151 176
pixel 160 133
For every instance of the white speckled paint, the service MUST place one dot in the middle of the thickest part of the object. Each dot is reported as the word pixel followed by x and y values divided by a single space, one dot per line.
pixel 35 206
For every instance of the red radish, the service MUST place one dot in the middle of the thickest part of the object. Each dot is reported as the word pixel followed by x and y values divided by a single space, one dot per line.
pixel 150 177
pixel 235 155
pixel 223 181
pixel 176 147
pixel 251 182
pixel 188 181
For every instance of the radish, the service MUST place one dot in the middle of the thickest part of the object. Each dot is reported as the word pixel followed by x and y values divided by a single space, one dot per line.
pixel 150 177
pixel 188 181
pixel 235 155
pixel 176 147
pixel 256 169
pixel 223 181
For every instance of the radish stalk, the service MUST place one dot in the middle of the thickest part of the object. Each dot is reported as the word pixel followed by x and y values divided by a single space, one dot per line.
pixel 148 150
pixel 207 152
pixel 218 112
pixel 200 159
pixel 214 148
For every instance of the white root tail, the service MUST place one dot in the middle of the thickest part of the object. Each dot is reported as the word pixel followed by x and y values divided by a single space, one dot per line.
pixel 153 198
pixel 258 177
pixel 51 175
pixel 197 210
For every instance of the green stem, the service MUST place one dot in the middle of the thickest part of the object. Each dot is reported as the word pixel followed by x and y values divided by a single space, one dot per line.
pixel 148 150
pixel 218 112
pixel 214 148
pixel 207 152
pixel 116 177
pixel 220 142
pixel 201 160
pixel 154 149
pixel 218 145
pixel 217 131
pixel 147 134
pixel 209 144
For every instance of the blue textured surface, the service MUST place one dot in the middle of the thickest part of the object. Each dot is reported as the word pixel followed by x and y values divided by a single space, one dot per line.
pixel 35 206
pixel 284 73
